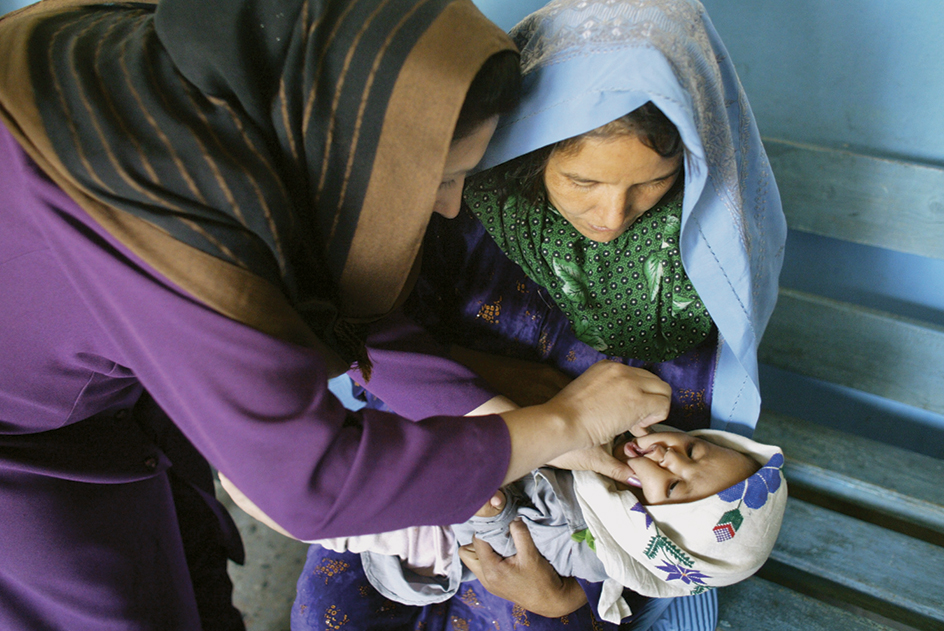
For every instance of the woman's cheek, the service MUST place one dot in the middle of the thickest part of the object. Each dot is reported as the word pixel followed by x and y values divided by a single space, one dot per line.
pixel 579 203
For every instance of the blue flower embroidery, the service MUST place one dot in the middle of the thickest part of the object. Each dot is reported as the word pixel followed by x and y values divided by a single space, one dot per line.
pixel 755 489
pixel 684 574
pixel 639 508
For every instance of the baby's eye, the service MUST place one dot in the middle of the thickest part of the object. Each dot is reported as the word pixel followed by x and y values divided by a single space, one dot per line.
pixel 672 488
pixel 582 184
pixel 690 449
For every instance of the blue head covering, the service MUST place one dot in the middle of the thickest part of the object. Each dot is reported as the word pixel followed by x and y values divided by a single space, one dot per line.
pixel 588 62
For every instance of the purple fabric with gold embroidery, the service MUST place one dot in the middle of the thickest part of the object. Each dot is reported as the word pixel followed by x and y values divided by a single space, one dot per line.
pixel 333 593
pixel 471 294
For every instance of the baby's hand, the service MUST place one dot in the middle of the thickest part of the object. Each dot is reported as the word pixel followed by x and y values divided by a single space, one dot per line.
pixel 494 506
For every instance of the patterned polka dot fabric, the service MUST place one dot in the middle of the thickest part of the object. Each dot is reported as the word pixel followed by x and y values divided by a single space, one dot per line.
pixel 630 297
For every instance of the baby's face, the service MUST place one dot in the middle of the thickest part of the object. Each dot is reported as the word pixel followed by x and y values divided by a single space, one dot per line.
pixel 674 467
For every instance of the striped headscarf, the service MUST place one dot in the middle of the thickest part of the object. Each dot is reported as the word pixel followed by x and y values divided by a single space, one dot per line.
pixel 276 159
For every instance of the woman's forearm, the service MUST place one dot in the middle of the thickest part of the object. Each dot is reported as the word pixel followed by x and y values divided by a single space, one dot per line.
pixel 538 435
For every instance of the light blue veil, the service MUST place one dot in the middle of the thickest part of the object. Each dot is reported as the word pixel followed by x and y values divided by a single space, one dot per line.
pixel 587 62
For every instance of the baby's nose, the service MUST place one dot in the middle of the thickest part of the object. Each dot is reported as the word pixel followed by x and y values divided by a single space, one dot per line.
pixel 656 453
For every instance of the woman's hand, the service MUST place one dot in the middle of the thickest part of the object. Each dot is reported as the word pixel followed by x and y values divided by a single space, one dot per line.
pixel 494 506
pixel 608 399
pixel 526 578
pixel 598 459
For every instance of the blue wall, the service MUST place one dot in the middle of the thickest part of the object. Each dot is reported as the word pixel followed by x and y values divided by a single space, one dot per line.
pixel 9 5
pixel 866 76
pixel 507 13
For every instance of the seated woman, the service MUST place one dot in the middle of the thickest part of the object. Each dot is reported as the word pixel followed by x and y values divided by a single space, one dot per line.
pixel 534 275
pixel 703 510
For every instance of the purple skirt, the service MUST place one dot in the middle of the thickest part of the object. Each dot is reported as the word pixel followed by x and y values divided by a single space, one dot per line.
pixel 333 593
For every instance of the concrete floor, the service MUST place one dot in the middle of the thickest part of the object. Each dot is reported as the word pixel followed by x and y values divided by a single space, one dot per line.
pixel 264 587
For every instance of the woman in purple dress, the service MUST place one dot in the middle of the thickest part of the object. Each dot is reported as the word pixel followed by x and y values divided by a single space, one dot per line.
pixel 207 208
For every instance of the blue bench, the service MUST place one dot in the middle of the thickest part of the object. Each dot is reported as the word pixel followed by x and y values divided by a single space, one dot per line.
pixel 862 543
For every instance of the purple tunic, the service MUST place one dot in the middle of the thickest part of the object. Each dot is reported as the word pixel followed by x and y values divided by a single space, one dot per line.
pixel 88 528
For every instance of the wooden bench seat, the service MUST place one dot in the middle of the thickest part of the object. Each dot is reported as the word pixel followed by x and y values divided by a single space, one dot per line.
pixel 851 501
pixel 761 605
pixel 862 543
pixel 896 488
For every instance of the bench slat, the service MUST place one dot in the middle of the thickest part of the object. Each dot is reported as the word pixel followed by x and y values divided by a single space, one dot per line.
pixel 759 605
pixel 874 538
pixel 854 346
pixel 886 203
pixel 840 557
pixel 899 484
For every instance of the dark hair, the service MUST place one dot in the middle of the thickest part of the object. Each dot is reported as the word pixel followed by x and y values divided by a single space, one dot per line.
pixel 495 90
pixel 647 122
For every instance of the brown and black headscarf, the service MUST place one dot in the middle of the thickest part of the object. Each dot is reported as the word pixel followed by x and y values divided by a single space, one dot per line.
pixel 276 159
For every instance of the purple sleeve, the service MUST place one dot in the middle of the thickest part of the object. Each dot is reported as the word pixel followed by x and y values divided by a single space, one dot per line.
pixel 260 411
pixel 413 375
pixel 639 604
pixel 593 592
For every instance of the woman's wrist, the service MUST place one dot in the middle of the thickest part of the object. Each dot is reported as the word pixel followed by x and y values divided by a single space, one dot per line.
pixel 496 405
pixel 572 595
pixel 570 598
pixel 539 434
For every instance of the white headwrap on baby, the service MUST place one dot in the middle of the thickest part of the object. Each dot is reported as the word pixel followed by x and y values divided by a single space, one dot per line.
pixel 683 549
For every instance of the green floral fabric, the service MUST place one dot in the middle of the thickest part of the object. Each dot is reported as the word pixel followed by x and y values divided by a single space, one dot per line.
pixel 630 297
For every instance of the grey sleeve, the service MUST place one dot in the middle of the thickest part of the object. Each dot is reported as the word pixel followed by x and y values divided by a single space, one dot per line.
pixel 389 576
pixel 545 501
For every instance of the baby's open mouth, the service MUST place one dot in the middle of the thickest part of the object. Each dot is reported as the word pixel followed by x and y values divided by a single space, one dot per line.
pixel 635 451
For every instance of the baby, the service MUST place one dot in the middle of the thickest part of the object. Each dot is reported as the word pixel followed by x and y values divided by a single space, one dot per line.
pixel 703 510
pixel 673 467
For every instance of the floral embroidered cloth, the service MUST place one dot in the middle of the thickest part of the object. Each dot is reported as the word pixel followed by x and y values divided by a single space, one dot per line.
pixel 681 549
